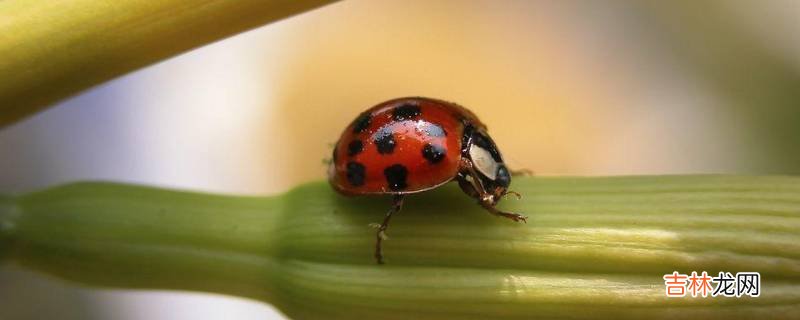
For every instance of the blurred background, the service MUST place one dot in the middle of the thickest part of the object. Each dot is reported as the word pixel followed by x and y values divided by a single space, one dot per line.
pixel 566 88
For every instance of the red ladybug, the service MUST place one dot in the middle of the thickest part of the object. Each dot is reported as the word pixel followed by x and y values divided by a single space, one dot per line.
pixel 410 145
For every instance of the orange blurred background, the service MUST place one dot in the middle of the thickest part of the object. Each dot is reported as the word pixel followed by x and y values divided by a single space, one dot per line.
pixel 566 88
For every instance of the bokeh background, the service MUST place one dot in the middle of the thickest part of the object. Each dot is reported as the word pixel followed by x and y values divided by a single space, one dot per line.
pixel 566 87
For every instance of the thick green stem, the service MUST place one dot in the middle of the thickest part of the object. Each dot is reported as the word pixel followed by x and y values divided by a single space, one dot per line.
pixel 51 49
pixel 592 247
pixel 129 236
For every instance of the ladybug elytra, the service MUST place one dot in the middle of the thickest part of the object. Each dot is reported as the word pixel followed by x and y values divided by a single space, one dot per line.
pixel 409 145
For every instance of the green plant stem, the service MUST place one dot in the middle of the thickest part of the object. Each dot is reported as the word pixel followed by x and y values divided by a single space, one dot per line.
pixel 592 247
pixel 51 49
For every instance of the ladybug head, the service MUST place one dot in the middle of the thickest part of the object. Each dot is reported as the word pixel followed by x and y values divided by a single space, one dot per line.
pixel 487 162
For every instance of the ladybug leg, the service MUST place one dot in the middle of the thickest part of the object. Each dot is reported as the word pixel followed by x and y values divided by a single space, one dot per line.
pixel 397 204
pixel 516 194
pixel 513 216
pixel 485 199
pixel 469 177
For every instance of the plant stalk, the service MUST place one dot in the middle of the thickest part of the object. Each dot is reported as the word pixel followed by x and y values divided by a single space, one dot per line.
pixel 592 247
pixel 52 49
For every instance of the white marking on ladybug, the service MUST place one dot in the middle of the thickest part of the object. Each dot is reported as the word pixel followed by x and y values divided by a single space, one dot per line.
pixel 483 161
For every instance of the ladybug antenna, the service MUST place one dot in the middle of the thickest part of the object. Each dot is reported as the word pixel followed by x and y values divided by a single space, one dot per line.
pixel 519 196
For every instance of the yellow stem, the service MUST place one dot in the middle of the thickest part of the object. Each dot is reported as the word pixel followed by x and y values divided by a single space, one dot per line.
pixel 50 49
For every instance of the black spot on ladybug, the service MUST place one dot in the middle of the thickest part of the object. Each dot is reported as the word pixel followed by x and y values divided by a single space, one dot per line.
pixel 406 111
pixel 335 148
pixel 396 175
pixel 433 130
pixel 361 123
pixel 356 173
pixel 355 147
pixel 384 141
pixel 433 153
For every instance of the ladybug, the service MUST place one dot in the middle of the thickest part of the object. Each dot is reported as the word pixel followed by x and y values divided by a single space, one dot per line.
pixel 410 145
